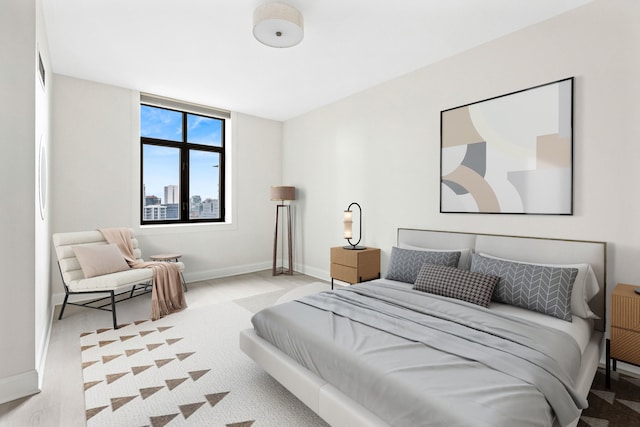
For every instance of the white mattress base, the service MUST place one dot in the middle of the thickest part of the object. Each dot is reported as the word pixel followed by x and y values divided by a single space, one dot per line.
pixel 338 409
pixel 328 402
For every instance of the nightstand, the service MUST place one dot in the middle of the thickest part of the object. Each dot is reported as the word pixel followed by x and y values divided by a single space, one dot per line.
pixel 624 338
pixel 354 266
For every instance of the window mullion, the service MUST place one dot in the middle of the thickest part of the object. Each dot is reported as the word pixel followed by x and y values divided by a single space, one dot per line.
pixel 184 173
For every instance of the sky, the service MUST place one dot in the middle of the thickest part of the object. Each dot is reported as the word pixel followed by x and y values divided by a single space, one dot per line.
pixel 162 164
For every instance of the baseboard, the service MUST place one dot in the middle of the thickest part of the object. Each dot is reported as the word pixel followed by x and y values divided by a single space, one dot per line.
pixel 17 386
pixel 225 272
pixel 313 272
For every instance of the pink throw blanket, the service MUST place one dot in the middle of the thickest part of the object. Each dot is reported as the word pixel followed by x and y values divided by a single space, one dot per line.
pixel 167 294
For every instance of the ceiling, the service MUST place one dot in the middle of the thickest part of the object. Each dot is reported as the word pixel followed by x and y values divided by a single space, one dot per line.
pixel 203 51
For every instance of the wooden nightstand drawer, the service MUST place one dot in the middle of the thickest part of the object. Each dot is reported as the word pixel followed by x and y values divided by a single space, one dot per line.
pixel 343 256
pixel 625 307
pixel 625 345
pixel 344 273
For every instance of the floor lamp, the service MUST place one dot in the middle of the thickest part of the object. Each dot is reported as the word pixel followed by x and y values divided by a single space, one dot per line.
pixel 281 194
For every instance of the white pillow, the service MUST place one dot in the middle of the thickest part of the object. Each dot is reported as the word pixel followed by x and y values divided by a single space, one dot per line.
pixel 464 263
pixel 585 287
pixel 96 260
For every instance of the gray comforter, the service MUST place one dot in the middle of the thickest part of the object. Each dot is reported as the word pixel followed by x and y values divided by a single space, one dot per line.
pixel 417 359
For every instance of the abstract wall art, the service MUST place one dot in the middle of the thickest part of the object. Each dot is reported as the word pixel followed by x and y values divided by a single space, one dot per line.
pixel 512 154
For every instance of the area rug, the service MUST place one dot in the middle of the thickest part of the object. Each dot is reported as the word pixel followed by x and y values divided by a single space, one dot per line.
pixel 183 370
pixel 618 406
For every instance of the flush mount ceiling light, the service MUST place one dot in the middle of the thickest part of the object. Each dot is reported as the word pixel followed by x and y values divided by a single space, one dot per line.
pixel 278 25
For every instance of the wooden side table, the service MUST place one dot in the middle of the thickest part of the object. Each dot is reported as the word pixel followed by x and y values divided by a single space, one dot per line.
pixel 170 258
pixel 624 338
pixel 166 257
pixel 354 266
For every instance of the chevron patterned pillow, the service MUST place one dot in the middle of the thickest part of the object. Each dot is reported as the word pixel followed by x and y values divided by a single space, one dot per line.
pixel 405 264
pixel 451 282
pixel 539 288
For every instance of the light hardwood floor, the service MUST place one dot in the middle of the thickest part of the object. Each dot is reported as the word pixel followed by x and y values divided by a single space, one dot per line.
pixel 61 401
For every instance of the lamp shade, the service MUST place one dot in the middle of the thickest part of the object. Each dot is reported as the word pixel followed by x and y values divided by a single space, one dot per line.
pixel 348 225
pixel 277 25
pixel 283 193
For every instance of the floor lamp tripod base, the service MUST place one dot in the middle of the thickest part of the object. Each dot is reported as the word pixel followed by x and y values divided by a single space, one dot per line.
pixel 282 270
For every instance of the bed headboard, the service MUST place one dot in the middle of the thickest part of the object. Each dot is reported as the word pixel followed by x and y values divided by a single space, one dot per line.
pixel 530 249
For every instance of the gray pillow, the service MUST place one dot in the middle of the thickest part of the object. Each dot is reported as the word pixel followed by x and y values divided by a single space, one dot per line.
pixel 451 282
pixel 539 288
pixel 405 264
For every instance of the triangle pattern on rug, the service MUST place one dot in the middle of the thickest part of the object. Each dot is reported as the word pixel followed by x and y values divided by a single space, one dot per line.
pixel 137 369
pixel 195 375
pixel 130 380
pixel 148 391
pixel 595 422
pixel 607 396
pixel 161 362
pixel 215 398
pixel 171 384
pixel 133 351
pixel 90 384
pixel 88 363
pixel 162 420
pixel 93 411
pixel 631 404
pixel 108 358
pixel 241 424
pixel 183 356
pixel 633 381
pixel 152 347
pixel 115 377
pixel 188 410
pixel 119 402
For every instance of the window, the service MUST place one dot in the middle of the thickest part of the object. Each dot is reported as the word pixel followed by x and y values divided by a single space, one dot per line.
pixel 182 155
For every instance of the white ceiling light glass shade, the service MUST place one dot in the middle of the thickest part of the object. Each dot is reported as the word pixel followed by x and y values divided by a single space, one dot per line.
pixel 278 25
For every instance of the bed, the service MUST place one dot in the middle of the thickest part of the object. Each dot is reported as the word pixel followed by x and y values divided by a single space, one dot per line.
pixel 384 353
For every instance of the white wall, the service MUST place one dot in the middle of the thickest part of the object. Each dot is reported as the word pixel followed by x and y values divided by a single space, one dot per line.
pixel 43 309
pixel 96 182
pixel 381 147
pixel 24 248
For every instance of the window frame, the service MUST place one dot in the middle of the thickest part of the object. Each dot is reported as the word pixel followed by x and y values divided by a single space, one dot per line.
pixel 185 148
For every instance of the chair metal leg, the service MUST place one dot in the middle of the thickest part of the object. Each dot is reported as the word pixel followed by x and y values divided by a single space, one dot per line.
pixel 113 309
pixel 64 304
pixel 184 284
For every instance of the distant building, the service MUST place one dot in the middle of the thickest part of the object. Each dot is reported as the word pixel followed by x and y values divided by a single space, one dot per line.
pixel 173 211
pixel 151 200
pixel 209 209
pixel 171 194
pixel 155 213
